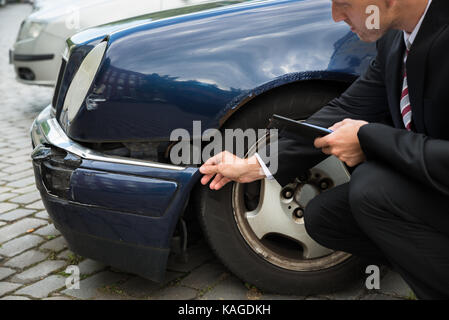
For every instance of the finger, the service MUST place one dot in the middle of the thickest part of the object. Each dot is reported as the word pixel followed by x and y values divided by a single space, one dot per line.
pixel 206 179
pixel 336 126
pixel 209 169
pixel 320 143
pixel 214 160
pixel 327 150
pixel 217 178
pixel 222 183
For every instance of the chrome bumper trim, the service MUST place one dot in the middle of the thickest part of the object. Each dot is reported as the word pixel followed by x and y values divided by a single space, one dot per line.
pixel 46 130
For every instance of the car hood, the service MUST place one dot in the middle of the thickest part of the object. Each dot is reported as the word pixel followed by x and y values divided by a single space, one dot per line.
pixel 100 31
pixel 162 75
pixel 65 20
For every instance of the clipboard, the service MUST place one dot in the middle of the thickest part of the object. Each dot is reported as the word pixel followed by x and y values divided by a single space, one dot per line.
pixel 297 129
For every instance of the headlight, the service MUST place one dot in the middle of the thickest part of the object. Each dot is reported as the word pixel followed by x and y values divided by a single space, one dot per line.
pixel 81 83
pixel 30 30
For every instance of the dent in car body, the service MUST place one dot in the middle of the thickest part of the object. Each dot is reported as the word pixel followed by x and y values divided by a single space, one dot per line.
pixel 102 218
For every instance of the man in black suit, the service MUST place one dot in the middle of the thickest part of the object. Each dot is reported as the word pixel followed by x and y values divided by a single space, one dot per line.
pixel 392 125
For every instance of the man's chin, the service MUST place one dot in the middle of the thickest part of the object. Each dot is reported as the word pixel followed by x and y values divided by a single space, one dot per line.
pixel 367 37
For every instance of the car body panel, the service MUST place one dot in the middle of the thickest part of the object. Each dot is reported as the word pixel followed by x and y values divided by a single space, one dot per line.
pixel 138 195
pixel 178 64
pixel 120 213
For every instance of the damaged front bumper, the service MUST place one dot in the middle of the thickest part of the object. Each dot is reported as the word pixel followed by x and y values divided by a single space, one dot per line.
pixel 120 211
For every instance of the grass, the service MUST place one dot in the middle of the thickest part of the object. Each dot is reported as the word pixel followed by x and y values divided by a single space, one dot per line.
pixel 74 259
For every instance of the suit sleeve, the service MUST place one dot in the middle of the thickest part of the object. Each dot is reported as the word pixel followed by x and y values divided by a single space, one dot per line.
pixel 365 99
pixel 413 154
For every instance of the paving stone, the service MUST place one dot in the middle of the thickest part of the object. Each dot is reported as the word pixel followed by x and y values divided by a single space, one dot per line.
pixel 143 288
pixel 7 150
pixel 38 271
pixel 392 283
pixel 7 196
pixel 139 287
pixel 16 214
pixel 25 152
pixel 197 255
pixel 176 293
pixel 42 215
pixel 15 298
pixel 230 288
pixel 43 288
pixel 20 180
pixel 18 167
pixel 353 292
pixel 26 259
pixel 16 246
pixel 4 189
pixel 7 287
pixel 112 294
pixel 205 276
pixel 27 198
pixel 48 230
pixel 279 297
pixel 39 205
pixel 378 296
pixel 65 254
pixel 58 298
pixel 18 159
pixel 56 244
pixel 19 227
pixel 5 272
pixel 4 206
pixel 30 188
pixel 89 287
pixel 89 266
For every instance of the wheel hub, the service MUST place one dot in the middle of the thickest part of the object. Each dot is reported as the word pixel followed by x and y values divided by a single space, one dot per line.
pixel 275 228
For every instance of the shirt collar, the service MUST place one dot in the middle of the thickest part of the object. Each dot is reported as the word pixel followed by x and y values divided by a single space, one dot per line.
pixel 410 37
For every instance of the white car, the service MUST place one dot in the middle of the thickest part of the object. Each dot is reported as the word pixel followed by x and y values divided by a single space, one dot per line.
pixel 43 4
pixel 37 53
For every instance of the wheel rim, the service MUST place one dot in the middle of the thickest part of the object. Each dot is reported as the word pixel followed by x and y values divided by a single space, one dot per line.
pixel 275 229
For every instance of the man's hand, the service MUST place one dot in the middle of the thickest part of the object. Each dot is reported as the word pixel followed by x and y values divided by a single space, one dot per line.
pixel 227 167
pixel 343 142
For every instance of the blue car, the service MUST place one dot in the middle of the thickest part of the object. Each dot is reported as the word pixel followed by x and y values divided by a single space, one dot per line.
pixel 102 148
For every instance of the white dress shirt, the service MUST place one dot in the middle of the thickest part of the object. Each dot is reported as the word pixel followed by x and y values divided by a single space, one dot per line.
pixel 408 37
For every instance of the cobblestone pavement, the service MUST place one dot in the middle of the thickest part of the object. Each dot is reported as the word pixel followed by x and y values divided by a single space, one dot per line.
pixel 33 254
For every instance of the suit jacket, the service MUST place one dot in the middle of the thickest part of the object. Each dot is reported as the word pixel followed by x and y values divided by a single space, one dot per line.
pixel 423 154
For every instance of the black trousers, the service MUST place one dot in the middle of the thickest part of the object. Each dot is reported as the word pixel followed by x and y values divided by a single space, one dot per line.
pixel 388 219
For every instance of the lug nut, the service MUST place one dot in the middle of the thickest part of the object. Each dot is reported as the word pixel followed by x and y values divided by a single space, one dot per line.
pixel 288 193
pixel 324 184
pixel 298 213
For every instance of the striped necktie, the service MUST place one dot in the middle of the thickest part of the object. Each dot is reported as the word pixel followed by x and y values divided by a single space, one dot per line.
pixel 406 108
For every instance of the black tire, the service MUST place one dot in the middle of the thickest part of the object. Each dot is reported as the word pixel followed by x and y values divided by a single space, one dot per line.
pixel 217 220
